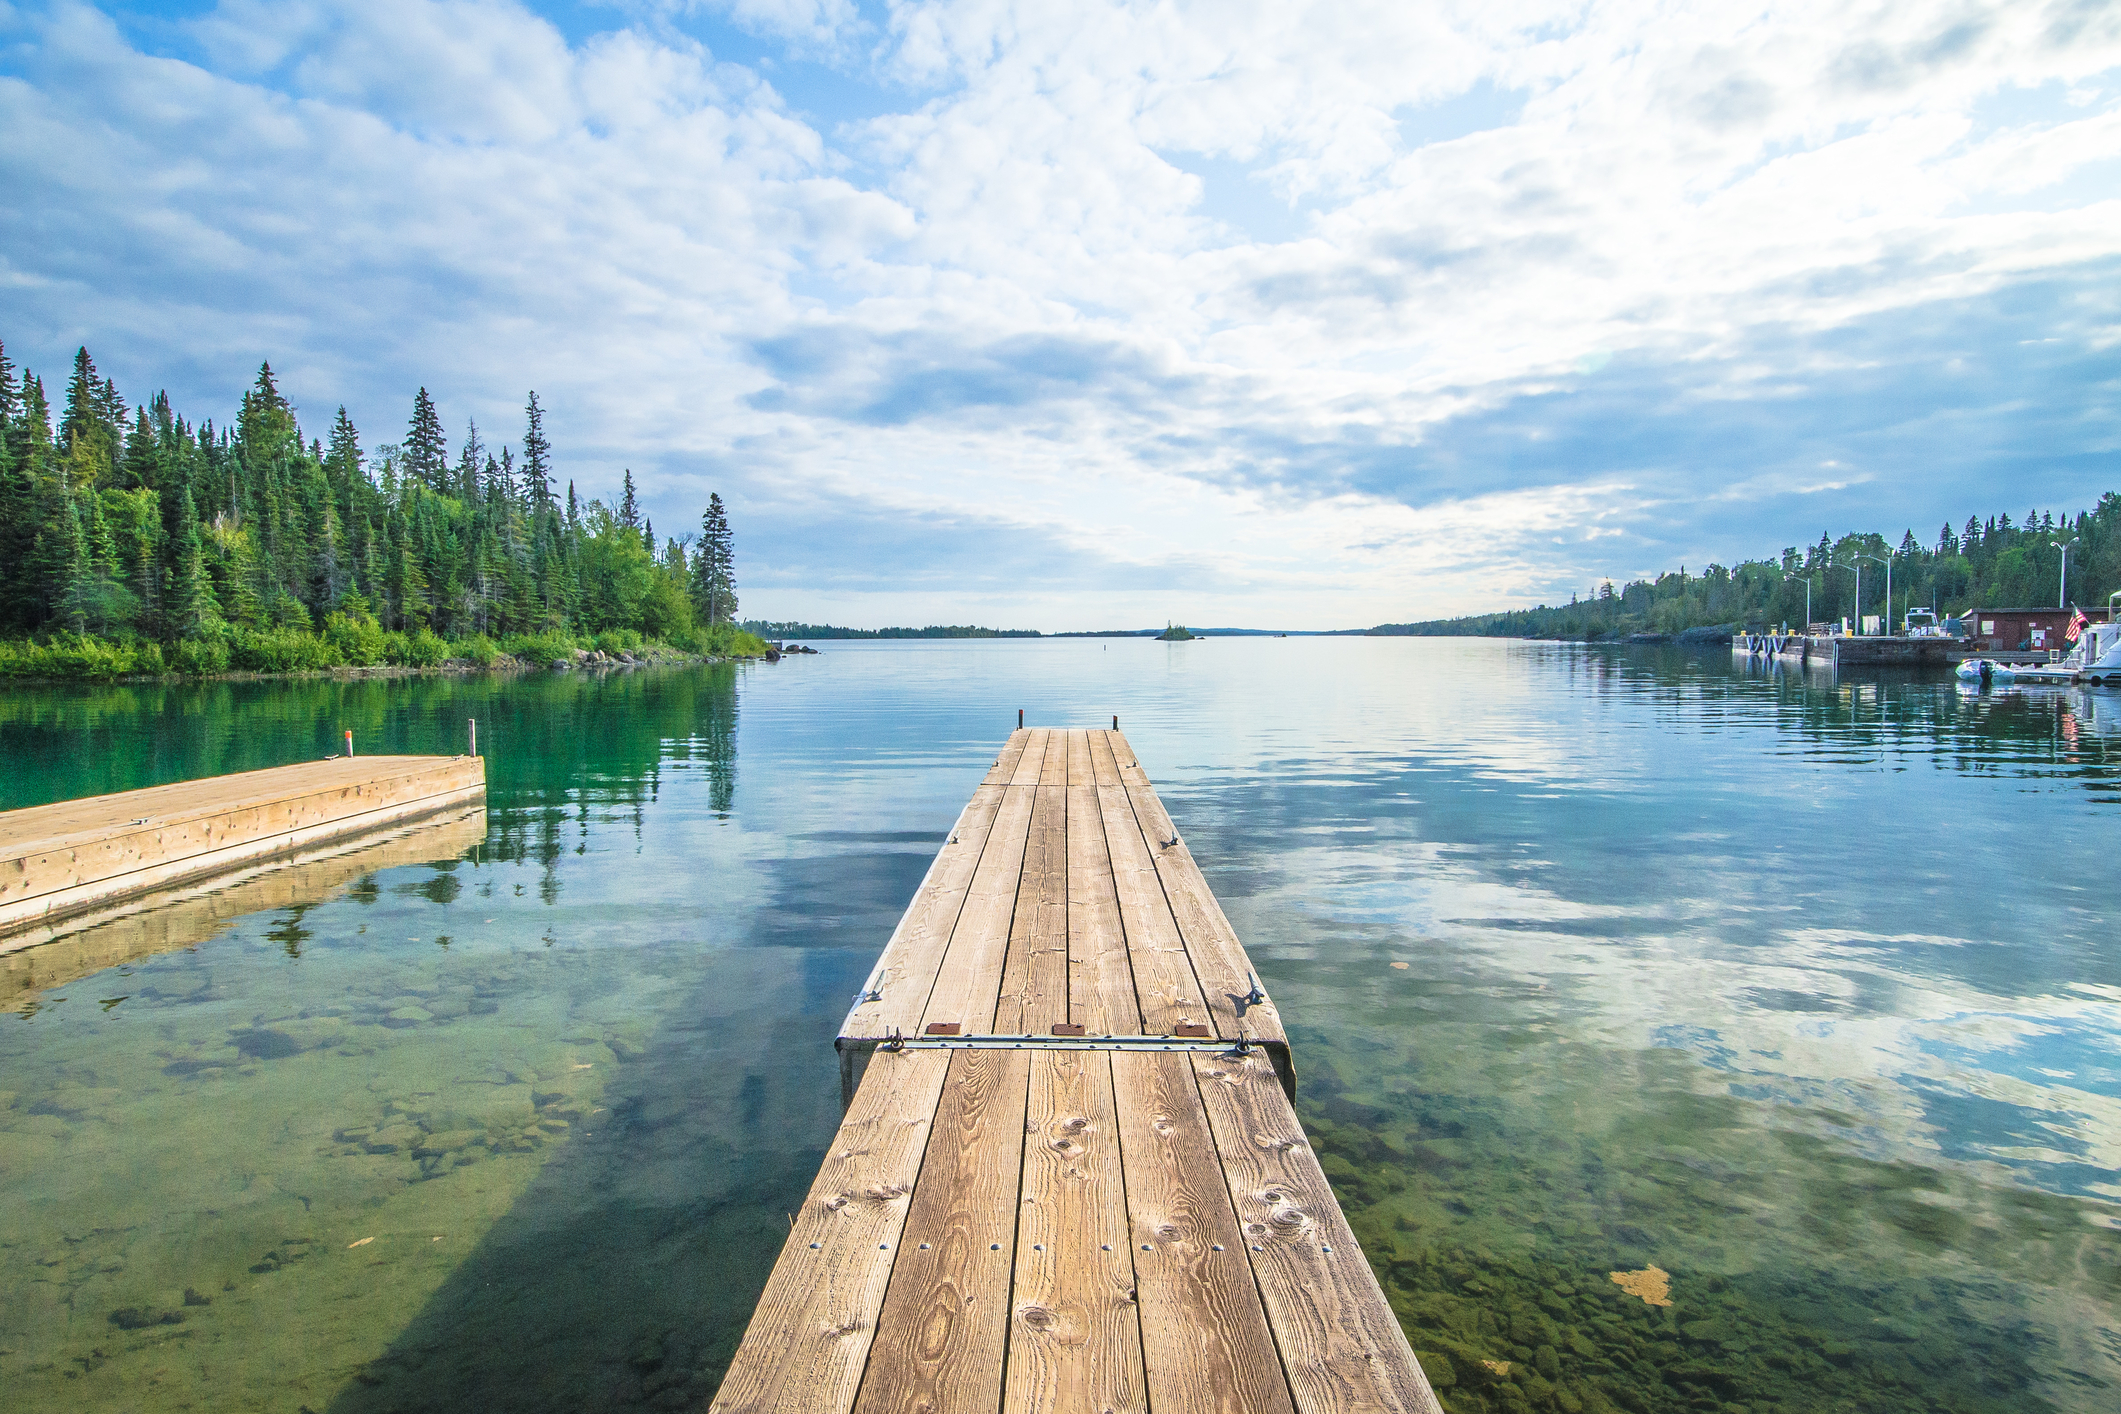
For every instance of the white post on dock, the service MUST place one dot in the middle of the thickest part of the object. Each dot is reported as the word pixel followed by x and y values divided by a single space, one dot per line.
pixel 349 741
pixel 473 724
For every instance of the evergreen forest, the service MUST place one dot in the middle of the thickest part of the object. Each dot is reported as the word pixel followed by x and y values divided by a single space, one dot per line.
pixel 135 540
pixel 1994 564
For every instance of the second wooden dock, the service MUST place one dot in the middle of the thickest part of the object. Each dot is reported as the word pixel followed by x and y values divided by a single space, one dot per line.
pixel 69 859
pixel 1070 1177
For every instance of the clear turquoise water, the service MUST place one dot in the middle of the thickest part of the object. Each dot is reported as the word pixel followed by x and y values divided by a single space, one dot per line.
pixel 1802 990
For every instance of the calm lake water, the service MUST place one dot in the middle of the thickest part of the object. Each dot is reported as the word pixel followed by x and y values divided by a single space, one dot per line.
pixel 1802 990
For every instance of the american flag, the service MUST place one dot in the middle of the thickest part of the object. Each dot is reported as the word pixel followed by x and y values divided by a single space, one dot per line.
pixel 2077 624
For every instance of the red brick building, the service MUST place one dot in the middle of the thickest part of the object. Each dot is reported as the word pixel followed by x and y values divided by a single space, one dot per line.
pixel 2009 630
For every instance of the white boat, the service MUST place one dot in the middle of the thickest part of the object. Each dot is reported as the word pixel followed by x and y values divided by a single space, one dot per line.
pixel 2096 658
pixel 2101 647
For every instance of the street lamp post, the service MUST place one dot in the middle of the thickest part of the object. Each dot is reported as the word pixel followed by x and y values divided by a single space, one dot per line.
pixel 2062 589
pixel 1807 597
pixel 1856 570
pixel 1887 561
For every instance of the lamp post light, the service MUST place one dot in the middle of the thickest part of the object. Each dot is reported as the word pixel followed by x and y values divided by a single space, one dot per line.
pixel 1808 597
pixel 1856 570
pixel 2062 589
pixel 1887 561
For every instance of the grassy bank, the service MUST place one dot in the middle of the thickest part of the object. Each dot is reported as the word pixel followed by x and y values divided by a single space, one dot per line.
pixel 347 643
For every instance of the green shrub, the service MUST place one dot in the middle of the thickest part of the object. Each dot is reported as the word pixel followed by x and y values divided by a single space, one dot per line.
pixel 280 650
pixel 540 648
pixel 618 640
pixel 478 648
pixel 424 649
pixel 70 655
pixel 726 641
pixel 201 655
pixel 356 637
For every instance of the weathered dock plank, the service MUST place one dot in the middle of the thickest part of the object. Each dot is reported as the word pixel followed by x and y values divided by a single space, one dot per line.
pixel 1078 907
pixel 60 860
pixel 1078 1185
pixel 944 1328
pixel 810 1338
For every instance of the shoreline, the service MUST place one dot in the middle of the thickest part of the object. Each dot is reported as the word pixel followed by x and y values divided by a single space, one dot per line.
pixel 454 667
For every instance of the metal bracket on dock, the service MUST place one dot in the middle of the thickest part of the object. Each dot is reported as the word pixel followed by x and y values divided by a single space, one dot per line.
pixel 854 1052
pixel 1042 1042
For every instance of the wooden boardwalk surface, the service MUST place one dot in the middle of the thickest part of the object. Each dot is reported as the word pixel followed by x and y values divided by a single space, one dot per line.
pixel 1070 1178
pixel 65 859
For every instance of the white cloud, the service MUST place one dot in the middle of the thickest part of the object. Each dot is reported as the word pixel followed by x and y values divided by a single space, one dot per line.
pixel 1538 248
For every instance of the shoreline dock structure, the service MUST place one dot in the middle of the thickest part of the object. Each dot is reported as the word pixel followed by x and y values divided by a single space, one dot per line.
pixel 69 862
pixel 1847 651
pixel 1070 1176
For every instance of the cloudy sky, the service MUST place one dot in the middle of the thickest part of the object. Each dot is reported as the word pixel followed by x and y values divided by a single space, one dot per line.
pixel 1093 315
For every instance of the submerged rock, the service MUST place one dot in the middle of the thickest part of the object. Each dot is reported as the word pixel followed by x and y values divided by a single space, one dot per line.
pixel 267 1044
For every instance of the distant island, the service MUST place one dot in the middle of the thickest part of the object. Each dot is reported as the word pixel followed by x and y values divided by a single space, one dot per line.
pixel 1176 633
pixel 1992 563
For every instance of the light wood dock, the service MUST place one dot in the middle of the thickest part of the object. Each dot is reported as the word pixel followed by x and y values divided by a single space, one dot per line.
pixel 77 856
pixel 1070 1177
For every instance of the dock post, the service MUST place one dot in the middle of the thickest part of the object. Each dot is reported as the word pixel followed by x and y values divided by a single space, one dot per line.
pixel 473 723
pixel 1115 721
pixel 1019 719
pixel 349 743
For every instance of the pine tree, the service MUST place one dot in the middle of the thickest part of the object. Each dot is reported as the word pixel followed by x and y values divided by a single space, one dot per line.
pixel 191 611
pixel 630 505
pixel 714 567
pixel 8 400
pixel 87 443
pixel 426 450
pixel 537 456
pixel 467 477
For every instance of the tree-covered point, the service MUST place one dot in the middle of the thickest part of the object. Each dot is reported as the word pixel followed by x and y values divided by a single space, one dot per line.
pixel 1985 564
pixel 132 539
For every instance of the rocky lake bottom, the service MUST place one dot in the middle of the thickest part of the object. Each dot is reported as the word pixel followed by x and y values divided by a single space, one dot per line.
pixel 1644 1019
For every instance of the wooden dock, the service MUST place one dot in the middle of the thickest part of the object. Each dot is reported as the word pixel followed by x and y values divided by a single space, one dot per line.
pixel 78 856
pixel 1070 1177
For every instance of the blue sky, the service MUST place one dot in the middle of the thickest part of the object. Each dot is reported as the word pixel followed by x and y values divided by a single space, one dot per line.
pixel 1059 316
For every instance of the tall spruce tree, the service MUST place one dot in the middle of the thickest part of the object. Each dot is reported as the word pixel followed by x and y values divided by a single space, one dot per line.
pixel 714 567
pixel 426 450
pixel 465 486
pixel 537 455
pixel 629 504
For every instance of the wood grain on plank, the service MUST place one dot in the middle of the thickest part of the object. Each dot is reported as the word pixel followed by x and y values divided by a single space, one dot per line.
pixel 1032 763
pixel 1074 1335
pixel 1104 766
pixel 1005 763
pixel 1165 988
pixel 905 973
pixel 970 976
pixel 1100 972
pixel 945 1321
pixel 1218 958
pixel 1079 759
pixel 1206 1347
pixel 1055 769
pixel 1340 1344
pixel 810 1337
pixel 1034 981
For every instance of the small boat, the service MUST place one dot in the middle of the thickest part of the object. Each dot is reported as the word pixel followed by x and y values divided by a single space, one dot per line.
pixel 1985 671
